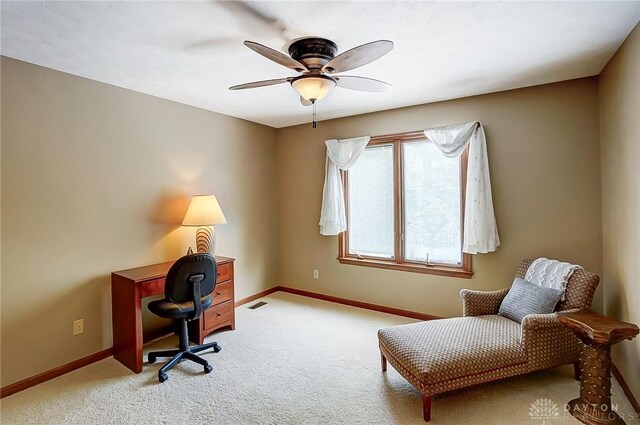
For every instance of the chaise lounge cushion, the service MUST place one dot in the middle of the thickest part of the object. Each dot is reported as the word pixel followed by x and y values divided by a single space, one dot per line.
pixel 445 349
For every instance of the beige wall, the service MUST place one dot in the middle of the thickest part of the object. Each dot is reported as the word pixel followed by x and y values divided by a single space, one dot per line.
pixel 620 146
pixel 543 145
pixel 83 160
pixel 96 178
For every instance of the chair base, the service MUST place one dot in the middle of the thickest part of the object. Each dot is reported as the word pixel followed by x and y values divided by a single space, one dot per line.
pixel 184 352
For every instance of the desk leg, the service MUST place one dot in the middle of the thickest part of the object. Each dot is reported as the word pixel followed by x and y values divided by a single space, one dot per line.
pixel 126 317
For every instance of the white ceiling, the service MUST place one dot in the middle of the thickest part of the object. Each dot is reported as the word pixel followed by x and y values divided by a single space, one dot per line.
pixel 191 52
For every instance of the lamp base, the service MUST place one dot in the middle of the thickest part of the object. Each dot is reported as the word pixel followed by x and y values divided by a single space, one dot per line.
pixel 205 239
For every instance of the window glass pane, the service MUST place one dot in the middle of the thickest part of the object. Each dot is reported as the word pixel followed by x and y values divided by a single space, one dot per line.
pixel 431 204
pixel 371 217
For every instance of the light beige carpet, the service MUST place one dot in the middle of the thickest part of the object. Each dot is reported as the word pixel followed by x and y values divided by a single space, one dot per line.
pixel 293 361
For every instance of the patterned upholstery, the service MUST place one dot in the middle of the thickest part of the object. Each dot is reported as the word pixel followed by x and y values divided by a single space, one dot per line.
pixel 465 350
pixel 448 354
pixel 478 303
pixel 455 383
pixel 547 342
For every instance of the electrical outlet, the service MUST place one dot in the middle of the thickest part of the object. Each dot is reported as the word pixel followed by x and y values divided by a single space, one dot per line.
pixel 316 274
pixel 78 327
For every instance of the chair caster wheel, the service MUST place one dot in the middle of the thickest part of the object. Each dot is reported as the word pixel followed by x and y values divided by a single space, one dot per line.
pixel 163 377
pixel 208 368
pixel 216 348
pixel 151 359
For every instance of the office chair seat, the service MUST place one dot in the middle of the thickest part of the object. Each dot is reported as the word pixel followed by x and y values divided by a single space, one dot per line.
pixel 187 294
pixel 171 310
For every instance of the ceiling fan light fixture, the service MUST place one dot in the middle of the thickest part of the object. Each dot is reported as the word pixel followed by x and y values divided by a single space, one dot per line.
pixel 313 88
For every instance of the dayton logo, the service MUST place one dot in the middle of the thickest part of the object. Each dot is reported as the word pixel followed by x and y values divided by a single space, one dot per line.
pixel 544 409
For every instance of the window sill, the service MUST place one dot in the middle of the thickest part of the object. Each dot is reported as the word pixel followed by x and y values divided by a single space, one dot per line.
pixel 408 267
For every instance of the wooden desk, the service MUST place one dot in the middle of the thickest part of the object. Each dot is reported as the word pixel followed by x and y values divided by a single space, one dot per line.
pixel 598 333
pixel 129 287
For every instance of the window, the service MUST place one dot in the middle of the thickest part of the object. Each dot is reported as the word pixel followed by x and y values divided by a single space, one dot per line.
pixel 371 203
pixel 405 203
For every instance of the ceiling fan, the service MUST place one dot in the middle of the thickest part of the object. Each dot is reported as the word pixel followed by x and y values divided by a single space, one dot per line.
pixel 315 58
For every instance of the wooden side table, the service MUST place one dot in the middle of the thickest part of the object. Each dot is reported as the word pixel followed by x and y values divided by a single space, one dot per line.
pixel 598 333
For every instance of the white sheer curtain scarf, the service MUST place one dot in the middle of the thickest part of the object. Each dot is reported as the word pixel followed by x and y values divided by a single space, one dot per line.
pixel 341 155
pixel 480 229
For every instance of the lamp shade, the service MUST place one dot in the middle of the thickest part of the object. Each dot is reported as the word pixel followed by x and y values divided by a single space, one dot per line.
pixel 313 88
pixel 204 210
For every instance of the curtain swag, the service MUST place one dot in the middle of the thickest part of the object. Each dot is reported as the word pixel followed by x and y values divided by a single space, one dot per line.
pixel 341 155
pixel 480 230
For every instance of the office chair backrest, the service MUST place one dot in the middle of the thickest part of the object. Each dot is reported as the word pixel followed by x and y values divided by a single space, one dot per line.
pixel 191 269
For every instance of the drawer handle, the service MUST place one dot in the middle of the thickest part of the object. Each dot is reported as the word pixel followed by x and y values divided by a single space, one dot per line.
pixel 218 293
pixel 219 314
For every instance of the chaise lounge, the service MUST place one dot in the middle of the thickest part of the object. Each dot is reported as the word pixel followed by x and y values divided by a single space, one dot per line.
pixel 442 355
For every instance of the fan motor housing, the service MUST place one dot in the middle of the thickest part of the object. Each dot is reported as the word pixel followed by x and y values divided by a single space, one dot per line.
pixel 313 52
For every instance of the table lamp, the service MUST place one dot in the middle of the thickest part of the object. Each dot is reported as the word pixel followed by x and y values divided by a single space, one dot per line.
pixel 204 212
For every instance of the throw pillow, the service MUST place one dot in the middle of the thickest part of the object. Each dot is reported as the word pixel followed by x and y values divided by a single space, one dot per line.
pixel 528 298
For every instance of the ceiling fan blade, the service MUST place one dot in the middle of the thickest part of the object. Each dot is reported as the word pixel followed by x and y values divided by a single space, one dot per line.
pixel 305 102
pixel 259 22
pixel 276 56
pixel 358 56
pixel 361 83
pixel 262 83
pixel 212 43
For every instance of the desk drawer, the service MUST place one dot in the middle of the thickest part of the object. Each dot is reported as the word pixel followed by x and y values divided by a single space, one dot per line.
pixel 152 287
pixel 224 272
pixel 217 315
pixel 222 293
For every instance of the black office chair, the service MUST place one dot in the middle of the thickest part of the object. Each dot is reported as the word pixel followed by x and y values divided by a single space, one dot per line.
pixel 187 290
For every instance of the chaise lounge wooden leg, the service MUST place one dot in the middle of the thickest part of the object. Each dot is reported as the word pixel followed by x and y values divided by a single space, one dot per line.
pixel 383 362
pixel 576 370
pixel 426 407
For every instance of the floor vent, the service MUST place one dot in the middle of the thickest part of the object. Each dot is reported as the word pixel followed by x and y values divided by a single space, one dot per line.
pixel 257 305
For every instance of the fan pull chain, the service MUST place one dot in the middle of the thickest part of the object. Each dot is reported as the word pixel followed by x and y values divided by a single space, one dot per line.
pixel 314 115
